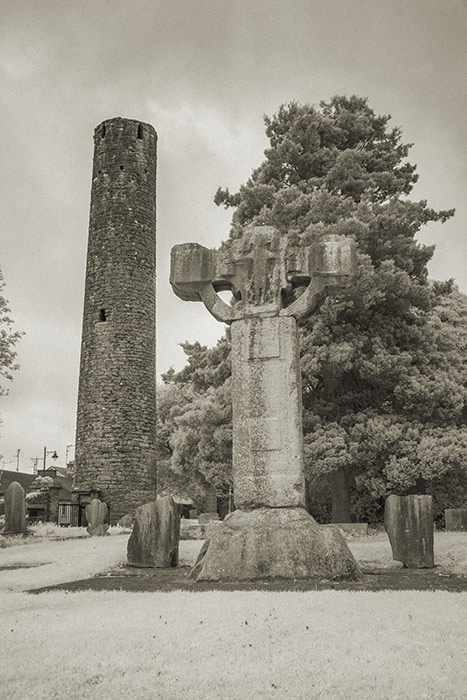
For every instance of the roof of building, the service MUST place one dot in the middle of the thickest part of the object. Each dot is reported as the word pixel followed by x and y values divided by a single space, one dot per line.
pixel 7 477
pixel 62 471
pixel 61 476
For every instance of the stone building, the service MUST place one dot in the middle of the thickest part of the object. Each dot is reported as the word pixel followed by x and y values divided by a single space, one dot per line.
pixel 115 433
pixel 50 504
pixel 7 477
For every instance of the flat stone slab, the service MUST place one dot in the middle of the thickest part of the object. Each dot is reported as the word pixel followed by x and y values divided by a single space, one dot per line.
pixel 204 518
pixel 358 529
pixel 268 543
pixel 192 532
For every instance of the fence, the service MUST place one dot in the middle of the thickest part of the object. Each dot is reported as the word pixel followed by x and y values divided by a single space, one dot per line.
pixel 68 514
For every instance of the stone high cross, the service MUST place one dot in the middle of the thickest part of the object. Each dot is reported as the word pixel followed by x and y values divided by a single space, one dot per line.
pixel 261 270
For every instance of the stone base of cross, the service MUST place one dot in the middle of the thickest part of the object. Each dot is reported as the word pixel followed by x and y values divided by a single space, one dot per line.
pixel 270 534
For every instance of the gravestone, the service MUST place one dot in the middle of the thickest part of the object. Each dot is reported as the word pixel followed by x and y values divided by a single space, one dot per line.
pixel 270 534
pixel 155 538
pixel 96 515
pixel 15 510
pixel 455 519
pixel 210 506
pixel 53 498
pixel 409 524
pixel 210 501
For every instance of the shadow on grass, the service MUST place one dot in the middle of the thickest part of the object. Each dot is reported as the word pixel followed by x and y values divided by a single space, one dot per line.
pixel 175 579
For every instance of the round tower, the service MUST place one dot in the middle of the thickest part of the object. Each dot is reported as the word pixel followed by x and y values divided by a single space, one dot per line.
pixel 116 419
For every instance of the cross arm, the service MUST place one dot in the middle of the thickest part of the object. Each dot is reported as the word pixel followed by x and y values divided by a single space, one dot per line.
pixel 330 263
pixel 191 269
pixel 193 278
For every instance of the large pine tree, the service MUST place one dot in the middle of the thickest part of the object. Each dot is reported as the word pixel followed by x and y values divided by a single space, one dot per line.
pixel 372 369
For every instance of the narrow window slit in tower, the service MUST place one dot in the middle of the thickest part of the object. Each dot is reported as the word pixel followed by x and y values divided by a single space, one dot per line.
pixel 103 131
pixel 121 167
pixel 140 131
pixel 102 315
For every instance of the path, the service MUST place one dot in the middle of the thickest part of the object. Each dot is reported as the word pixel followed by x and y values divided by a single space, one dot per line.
pixel 47 563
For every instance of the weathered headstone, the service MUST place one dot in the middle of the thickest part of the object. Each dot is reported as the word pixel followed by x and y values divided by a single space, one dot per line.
pixel 270 534
pixel 53 499
pixel 154 541
pixel 96 515
pixel 210 506
pixel 210 501
pixel 455 519
pixel 15 510
pixel 409 524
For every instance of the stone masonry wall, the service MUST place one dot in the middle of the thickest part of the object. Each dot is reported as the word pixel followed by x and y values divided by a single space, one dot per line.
pixel 116 421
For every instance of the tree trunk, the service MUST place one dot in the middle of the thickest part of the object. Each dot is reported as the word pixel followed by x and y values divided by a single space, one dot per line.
pixel 340 483
pixel 340 480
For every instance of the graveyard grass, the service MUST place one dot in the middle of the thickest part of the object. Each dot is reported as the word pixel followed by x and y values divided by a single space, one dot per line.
pixel 323 644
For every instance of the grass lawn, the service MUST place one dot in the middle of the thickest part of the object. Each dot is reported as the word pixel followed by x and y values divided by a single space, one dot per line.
pixel 327 645
pixel 450 550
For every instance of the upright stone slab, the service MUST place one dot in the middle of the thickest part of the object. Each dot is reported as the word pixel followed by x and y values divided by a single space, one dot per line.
pixel 53 500
pixel 455 519
pixel 270 534
pixel 96 515
pixel 409 524
pixel 210 502
pixel 210 506
pixel 155 539
pixel 116 416
pixel 15 510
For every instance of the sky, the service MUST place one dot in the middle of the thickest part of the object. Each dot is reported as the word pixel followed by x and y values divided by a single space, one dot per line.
pixel 203 73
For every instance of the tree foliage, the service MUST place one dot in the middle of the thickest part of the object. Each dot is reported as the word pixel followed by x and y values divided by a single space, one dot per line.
pixel 194 429
pixel 8 340
pixel 383 375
